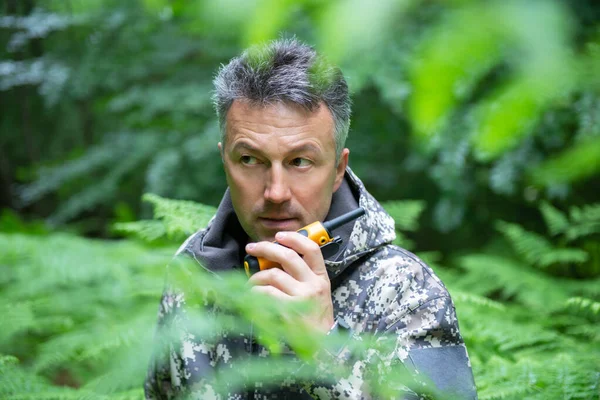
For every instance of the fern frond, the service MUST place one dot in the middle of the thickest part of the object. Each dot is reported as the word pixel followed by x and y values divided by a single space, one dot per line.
pixel 585 221
pixel 162 171
pixel 125 371
pixel 96 342
pixel 490 332
pixel 104 340
pixel 584 304
pixel 144 144
pixel 147 230
pixel 149 101
pixel 53 393
pixel 587 288
pixel 16 317
pixel 509 390
pixel 134 394
pixel 51 178
pixel 530 245
pixel 472 299
pixel 543 376
pixel 181 217
pixel 84 201
pixel 501 380
pixel 536 249
pixel 116 147
pixel 556 221
pixel 589 331
pixel 8 360
pixel 405 213
pixel 563 256
pixel 15 381
pixel 488 274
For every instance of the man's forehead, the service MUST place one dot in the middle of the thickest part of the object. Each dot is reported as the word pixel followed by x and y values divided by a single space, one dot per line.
pixel 245 119
pixel 278 114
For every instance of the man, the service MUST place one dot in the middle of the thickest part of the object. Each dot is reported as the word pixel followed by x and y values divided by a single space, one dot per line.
pixel 284 116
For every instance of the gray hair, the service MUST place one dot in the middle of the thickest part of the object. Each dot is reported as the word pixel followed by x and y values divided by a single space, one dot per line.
pixel 287 71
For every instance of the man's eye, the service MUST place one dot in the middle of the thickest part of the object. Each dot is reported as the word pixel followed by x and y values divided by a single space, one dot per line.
pixel 300 162
pixel 248 160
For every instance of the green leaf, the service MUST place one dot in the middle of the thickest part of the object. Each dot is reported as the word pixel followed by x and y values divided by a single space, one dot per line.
pixel 584 304
pixel 536 249
pixel 449 63
pixel 405 213
pixel 579 162
pixel 149 230
pixel 180 217
pixel 556 221
pixel 585 221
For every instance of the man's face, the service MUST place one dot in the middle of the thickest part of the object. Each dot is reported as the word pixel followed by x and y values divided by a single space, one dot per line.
pixel 280 166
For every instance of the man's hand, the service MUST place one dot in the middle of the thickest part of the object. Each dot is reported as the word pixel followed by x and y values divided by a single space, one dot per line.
pixel 303 277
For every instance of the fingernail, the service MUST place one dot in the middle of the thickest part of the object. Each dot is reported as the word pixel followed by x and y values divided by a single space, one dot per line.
pixel 280 235
pixel 250 246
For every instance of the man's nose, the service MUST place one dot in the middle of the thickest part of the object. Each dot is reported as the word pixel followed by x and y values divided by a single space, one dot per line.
pixel 277 189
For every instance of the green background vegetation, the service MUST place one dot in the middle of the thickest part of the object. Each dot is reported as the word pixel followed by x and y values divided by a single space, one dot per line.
pixel 477 122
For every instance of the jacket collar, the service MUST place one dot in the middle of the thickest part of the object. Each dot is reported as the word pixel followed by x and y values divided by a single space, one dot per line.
pixel 220 246
pixel 368 233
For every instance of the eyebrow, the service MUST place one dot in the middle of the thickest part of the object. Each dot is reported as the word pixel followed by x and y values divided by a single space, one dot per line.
pixel 243 145
pixel 306 147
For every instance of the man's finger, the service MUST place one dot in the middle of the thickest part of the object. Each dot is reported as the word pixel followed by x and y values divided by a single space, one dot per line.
pixel 271 291
pixel 288 258
pixel 276 278
pixel 305 246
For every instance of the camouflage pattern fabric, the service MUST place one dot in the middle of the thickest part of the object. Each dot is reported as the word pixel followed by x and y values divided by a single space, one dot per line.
pixel 378 289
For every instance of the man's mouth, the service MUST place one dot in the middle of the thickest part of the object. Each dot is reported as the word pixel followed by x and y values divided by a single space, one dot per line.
pixel 279 223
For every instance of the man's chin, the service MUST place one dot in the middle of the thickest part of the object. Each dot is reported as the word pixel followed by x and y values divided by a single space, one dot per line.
pixel 267 236
pixel 262 236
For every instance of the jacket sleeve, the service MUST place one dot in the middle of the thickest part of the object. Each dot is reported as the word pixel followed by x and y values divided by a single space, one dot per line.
pixel 164 367
pixel 184 362
pixel 175 351
pixel 167 377
pixel 420 353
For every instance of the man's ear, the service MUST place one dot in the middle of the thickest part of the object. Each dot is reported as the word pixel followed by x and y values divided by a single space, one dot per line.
pixel 340 169
pixel 221 151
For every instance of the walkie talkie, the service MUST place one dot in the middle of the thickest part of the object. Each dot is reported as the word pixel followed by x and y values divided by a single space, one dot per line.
pixel 318 232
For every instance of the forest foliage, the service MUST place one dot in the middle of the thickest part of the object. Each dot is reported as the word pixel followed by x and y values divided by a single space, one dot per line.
pixel 477 124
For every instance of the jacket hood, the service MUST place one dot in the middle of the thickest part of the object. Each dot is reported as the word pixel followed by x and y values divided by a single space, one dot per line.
pixel 220 247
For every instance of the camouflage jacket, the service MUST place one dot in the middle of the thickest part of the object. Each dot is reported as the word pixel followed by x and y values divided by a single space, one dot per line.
pixel 377 289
